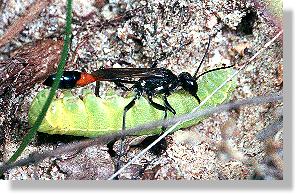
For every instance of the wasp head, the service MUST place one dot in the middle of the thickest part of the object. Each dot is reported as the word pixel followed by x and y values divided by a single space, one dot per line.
pixel 189 84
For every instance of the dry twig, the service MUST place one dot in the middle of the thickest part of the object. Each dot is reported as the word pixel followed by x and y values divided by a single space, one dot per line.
pixel 16 27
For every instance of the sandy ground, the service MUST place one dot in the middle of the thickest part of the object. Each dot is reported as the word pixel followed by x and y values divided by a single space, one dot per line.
pixel 222 147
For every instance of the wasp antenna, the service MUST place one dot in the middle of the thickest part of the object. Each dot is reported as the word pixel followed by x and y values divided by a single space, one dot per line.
pixel 224 67
pixel 206 52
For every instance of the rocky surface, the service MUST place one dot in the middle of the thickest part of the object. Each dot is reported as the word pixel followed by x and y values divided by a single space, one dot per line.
pixel 224 146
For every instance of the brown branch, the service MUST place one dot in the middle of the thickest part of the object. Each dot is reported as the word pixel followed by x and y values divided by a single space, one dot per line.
pixel 29 64
pixel 29 15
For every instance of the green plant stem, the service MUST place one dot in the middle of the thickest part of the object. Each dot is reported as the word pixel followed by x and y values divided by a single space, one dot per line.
pixel 32 132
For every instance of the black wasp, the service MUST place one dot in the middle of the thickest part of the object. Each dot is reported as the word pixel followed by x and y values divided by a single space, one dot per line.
pixel 145 81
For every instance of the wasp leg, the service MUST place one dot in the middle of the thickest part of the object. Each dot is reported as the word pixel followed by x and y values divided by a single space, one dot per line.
pixel 97 86
pixel 121 86
pixel 168 105
pixel 162 145
pixel 198 99
pixel 126 109
pixel 159 107
pixel 156 105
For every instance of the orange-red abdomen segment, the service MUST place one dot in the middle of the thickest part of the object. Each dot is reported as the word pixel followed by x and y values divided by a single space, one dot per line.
pixel 85 79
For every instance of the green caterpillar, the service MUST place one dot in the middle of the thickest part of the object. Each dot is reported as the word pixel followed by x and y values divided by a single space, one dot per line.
pixel 92 116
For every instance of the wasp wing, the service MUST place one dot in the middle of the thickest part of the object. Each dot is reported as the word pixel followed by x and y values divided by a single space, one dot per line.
pixel 123 74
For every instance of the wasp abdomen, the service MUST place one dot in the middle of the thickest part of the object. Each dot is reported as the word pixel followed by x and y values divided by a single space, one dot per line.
pixel 68 80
